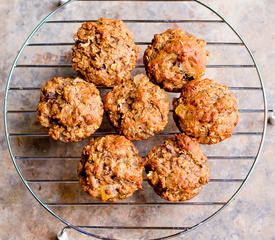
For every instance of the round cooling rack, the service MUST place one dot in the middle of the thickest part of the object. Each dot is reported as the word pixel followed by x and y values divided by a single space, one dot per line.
pixel 48 168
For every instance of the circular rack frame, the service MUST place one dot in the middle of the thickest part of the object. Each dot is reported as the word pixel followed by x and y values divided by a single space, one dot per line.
pixel 181 230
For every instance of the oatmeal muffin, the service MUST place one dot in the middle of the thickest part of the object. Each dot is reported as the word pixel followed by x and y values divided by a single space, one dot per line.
pixel 206 110
pixel 174 58
pixel 137 108
pixel 110 168
pixel 71 109
pixel 104 51
pixel 177 169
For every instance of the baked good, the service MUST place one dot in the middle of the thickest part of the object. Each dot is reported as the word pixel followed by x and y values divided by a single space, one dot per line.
pixel 174 58
pixel 177 169
pixel 71 109
pixel 137 108
pixel 104 51
pixel 206 110
pixel 110 168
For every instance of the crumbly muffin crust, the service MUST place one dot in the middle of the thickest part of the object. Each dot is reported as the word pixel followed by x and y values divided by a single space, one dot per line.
pixel 174 58
pixel 137 108
pixel 177 169
pixel 71 109
pixel 110 168
pixel 206 110
pixel 104 51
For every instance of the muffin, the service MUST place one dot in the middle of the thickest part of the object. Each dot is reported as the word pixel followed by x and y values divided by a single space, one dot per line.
pixel 206 110
pixel 110 168
pixel 71 109
pixel 177 169
pixel 137 108
pixel 104 51
pixel 175 58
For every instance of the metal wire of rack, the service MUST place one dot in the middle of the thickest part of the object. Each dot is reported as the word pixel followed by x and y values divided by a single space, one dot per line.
pixel 15 109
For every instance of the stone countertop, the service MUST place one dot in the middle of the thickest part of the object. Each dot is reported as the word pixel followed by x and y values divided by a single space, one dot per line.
pixel 250 216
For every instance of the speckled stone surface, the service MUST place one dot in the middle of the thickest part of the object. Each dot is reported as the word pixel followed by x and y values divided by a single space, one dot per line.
pixel 250 216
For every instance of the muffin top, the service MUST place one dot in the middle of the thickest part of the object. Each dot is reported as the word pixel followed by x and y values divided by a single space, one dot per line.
pixel 137 108
pixel 110 168
pixel 177 169
pixel 104 51
pixel 175 58
pixel 206 110
pixel 71 109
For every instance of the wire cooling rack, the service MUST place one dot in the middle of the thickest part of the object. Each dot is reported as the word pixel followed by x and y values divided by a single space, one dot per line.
pixel 48 168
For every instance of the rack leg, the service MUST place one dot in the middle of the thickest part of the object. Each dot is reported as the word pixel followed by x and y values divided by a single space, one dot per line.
pixel 62 235
pixel 61 2
pixel 271 118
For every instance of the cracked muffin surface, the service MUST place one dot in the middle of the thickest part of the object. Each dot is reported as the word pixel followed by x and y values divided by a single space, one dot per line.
pixel 137 108
pixel 175 58
pixel 110 168
pixel 104 51
pixel 71 109
pixel 177 169
pixel 206 110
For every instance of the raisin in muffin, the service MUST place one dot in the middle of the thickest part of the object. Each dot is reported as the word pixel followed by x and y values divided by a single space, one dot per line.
pixel 71 109
pixel 137 108
pixel 110 168
pixel 174 58
pixel 177 169
pixel 206 110
pixel 104 51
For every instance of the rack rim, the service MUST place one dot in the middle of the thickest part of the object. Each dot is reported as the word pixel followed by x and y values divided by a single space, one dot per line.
pixel 182 229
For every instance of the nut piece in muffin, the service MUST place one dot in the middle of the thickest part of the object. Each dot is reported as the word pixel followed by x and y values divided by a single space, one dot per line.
pixel 175 58
pixel 177 169
pixel 206 110
pixel 137 108
pixel 110 168
pixel 71 109
pixel 104 51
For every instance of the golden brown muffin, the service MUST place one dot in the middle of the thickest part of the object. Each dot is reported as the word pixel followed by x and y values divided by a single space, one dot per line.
pixel 174 58
pixel 104 51
pixel 137 108
pixel 177 169
pixel 206 110
pixel 110 168
pixel 71 109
